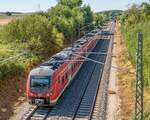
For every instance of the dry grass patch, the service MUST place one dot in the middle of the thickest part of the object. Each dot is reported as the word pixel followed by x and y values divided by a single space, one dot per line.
pixel 126 78
pixel 147 103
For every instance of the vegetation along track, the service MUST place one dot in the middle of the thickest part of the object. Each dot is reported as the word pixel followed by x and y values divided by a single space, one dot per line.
pixel 78 100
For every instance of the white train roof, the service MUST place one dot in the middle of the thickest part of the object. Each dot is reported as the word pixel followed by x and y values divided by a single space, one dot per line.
pixel 56 60
pixel 40 71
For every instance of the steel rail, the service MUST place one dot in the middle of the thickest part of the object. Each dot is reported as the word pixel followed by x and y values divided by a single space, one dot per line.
pixel 27 116
pixel 96 94
pixel 98 87
pixel 74 117
pixel 32 115
pixel 86 92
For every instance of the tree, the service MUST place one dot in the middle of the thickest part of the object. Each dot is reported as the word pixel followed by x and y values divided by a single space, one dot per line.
pixel 133 15
pixel 70 3
pixel 88 16
pixel 98 19
pixel 67 17
pixel 8 13
pixel 146 8
pixel 35 31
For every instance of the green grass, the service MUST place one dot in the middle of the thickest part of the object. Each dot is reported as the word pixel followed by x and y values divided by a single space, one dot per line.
pixel 13 59
pixel 130 36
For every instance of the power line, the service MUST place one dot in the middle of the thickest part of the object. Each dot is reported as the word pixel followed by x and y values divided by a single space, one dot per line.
pixel 14 57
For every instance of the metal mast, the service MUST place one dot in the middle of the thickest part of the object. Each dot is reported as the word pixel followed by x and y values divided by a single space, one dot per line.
pixel 39 7
pixel 139 79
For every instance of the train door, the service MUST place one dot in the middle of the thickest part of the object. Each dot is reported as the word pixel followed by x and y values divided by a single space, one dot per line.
pixel 69 72
pixel 59 85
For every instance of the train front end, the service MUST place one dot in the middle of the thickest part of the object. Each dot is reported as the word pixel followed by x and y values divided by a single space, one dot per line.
pixel 39 86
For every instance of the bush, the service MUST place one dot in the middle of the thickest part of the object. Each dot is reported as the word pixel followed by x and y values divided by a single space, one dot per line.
pixel 44 33
pixel 10 68
pixel 33 30
pixel 8 13
pixel 130 28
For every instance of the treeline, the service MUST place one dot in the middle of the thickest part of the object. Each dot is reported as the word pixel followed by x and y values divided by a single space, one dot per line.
pixel 8 13
pixel 44 33
pixel 111 14
pixel 137 19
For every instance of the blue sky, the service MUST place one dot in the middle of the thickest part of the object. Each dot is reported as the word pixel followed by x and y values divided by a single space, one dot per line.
pixel 32 5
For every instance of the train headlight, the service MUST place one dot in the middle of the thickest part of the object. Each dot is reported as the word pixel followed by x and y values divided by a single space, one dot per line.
pixel 51 93
pixel 47 94
pixel 31 94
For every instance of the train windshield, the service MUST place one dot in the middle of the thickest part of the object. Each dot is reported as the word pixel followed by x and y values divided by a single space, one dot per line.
pixel 40 83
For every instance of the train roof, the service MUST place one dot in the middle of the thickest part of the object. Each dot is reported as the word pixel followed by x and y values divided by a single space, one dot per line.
pixel 56 60
pixel 95 30
pixel 42 71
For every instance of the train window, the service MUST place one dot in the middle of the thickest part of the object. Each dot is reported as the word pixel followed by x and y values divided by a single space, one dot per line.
pixel 66 76
pixel 63 79
pixel 72 68
pixel 59 80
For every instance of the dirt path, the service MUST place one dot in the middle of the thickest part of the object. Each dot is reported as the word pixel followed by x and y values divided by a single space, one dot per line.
pixel 126 79
pixel 5 21
pixel 113 96
pixel 121 87
pixel 12 95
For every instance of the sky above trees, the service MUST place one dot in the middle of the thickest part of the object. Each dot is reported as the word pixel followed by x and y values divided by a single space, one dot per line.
pixel 35 5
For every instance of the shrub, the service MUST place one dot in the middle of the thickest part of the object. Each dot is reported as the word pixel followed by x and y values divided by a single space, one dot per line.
pixel 33 30
pixel 10 68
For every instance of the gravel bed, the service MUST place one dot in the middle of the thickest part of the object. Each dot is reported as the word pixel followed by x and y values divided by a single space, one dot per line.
pixel 99 112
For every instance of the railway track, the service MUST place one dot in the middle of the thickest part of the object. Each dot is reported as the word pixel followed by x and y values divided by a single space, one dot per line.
pixel 100 107
pixel 37 113
pixel 79 100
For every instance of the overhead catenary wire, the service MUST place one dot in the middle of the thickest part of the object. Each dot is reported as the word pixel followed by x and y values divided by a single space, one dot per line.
pixel 13 57
pixel 102 53
pixel 89 59
pixel 77 54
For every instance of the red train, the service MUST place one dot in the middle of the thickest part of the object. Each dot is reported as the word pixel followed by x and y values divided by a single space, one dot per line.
pixel 47 82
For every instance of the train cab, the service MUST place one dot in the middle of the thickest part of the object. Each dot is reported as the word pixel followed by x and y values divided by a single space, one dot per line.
pixel 38 85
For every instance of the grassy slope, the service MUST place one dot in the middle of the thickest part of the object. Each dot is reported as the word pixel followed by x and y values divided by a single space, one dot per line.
pixel 14 60
pixel 130 36
pixel 9 65
pixel 125 79
pixel 13 75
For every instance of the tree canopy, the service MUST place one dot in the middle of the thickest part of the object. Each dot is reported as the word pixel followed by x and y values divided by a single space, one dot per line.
pixel 43 32
pixel 137 19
